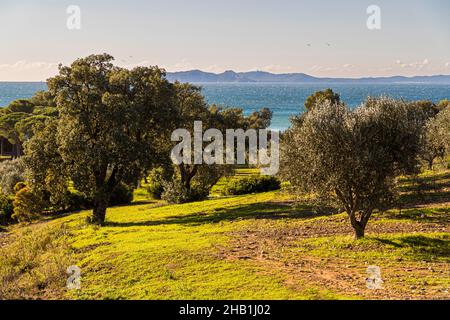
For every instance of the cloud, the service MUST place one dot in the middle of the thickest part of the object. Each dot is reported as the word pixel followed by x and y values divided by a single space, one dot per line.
pixel 348 66
pixel 345 67
pixel 276 68
pixel 447 65
pixel 25 65
pixel 144 63
pixel 413 65
pixel 24 70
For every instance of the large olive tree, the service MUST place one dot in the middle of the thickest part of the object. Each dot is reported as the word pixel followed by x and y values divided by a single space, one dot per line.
pixel 353 157
pixel 110 122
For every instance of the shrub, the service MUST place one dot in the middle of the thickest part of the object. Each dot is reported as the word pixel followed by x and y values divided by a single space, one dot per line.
pixel 122 194
pixel 176 192
pixel 156 183
pixel 11 173
pixel 27 205
pixel 78 201
pixel 6 209
pixel 252 185
pixel 36 265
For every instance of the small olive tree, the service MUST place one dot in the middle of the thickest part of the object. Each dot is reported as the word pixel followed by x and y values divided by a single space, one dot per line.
pixel 436 137
pixel 11 173
pixel 353 157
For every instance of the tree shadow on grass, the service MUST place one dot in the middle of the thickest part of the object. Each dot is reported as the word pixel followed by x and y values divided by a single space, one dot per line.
pixel 413 200
pixel 440 216
pixel 424 190
pixel 423 247
pixel 434 180
pixel 268 210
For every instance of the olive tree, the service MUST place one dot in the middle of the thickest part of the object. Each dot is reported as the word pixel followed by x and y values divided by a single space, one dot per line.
pixel 110 120
pixel 353 157
pixel 442 126
pixel 436 137
pixel 11 173
pixel 190 106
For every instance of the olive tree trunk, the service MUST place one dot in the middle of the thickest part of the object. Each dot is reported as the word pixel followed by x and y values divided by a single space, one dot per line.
pixel 359 226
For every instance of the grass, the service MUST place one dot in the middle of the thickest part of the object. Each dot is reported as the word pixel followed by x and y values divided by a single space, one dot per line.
pixel 261 246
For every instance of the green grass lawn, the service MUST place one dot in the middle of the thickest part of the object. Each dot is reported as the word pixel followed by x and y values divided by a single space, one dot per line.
pixel 262 246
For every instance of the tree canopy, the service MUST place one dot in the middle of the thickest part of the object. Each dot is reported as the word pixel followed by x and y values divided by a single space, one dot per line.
pixel 110 120
pixel 353 157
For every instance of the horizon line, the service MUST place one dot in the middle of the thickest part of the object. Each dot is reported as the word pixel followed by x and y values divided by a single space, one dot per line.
pixel 268 72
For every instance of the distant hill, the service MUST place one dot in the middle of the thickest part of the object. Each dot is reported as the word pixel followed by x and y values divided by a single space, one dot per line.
pixel 197 76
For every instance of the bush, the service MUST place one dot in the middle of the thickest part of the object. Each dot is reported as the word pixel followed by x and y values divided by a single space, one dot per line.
pixel 156 184
pixel 78 201
pixel 27 205
pixel 122 194
pixel 6 209
pixel 252 185
pixel 11 173
pixel 175 192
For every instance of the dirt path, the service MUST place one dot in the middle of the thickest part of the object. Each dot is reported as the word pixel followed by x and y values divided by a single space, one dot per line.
pixel 266 247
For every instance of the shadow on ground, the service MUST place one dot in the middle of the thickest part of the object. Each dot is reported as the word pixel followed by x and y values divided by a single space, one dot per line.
pixel 439 216
pixel 423 247
pixel 268 210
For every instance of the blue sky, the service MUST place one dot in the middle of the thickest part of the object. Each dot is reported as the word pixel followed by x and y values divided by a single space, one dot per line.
pixel 322 38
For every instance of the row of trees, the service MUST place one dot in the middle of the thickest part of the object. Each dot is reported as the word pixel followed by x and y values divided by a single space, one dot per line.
pixel 111 126
pixel 351 158
pixel 100 127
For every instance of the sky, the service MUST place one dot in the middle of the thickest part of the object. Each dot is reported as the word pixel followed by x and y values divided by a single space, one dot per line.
pixel 326 38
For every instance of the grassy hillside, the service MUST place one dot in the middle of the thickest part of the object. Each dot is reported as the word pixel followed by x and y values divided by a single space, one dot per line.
pixel 263 246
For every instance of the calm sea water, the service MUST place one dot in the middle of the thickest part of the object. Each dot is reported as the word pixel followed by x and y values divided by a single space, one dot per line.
pixel 284 99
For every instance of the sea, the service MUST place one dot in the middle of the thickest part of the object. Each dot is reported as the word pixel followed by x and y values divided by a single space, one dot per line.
pixel 284 99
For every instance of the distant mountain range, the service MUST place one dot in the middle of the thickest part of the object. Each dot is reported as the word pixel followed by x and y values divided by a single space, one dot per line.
pixel 197 76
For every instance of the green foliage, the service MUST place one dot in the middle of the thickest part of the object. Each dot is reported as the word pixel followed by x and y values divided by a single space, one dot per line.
pixel 46 111
pixel 427 108
pixel 321 97
pixel 156 180
pixel 43 99
pixel 27 205
pixel 175 192
pixel 122 194
pixel 354 157
pixel 78 201
pixel 434 139
pixel 444 104
pixel 8 126
pixel 228 248
pixel 191 106
pixel 11 173
pixel 24 106
pixel 36 264
pixel 6 209
pixel 253 184
pixel 112 122
pixel 26 127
